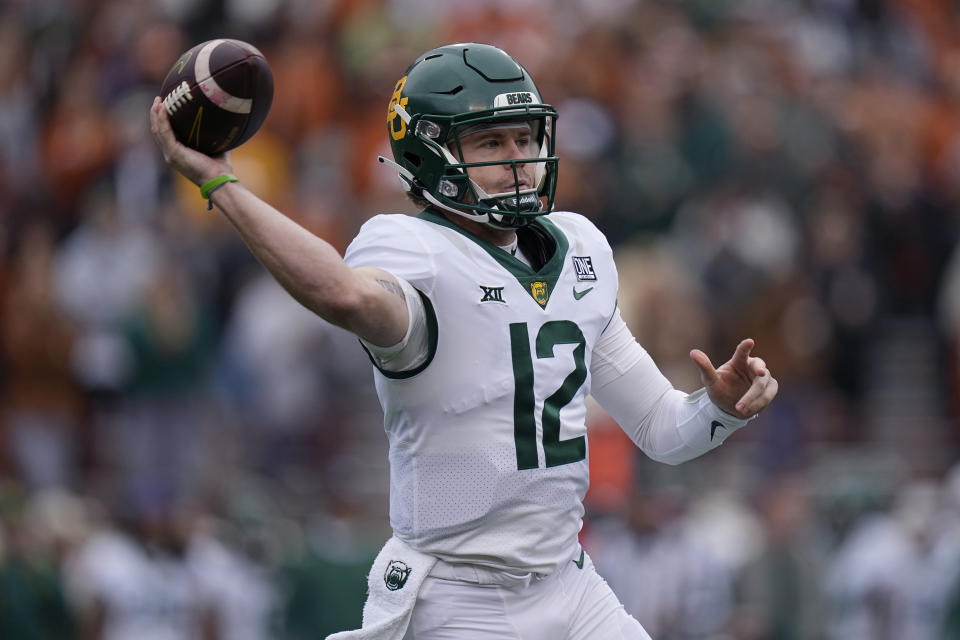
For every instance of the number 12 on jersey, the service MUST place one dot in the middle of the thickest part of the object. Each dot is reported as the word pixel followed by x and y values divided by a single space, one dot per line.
pixel 556 452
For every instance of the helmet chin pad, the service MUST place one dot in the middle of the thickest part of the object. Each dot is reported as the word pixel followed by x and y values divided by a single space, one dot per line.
pixel 528 202
pixel 510 202
pixel 506 221
pixel 514 216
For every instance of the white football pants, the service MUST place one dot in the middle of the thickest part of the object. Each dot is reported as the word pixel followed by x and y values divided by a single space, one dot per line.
pixel 572 604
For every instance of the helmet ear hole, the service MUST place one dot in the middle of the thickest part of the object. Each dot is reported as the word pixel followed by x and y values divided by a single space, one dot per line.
pixel 412 158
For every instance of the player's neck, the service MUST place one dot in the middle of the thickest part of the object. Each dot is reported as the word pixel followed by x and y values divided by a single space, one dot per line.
pixel 499 237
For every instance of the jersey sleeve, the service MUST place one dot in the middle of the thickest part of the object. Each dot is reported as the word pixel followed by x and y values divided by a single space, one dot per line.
pixel 668 425
pixel 393 243
pixel 414 348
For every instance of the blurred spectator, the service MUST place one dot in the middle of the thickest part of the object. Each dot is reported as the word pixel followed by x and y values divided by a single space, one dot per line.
pixel 331 569
pixel 33 605
pixel 948 533
pixel 18 126
pixel 292 379
pixel 135 580
pixel 889 578
pixel 155 435
pixel 102 270
pixel 77 138
pixel 241 594
pixel 271 347
pixel 652 277
pixel 778 592
pixel 42 405
pixel 674 586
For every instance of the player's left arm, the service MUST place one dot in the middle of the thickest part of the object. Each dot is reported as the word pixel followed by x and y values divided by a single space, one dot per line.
pixel 669 425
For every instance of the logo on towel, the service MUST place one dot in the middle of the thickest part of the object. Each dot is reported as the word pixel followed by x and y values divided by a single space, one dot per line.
pixel 396 575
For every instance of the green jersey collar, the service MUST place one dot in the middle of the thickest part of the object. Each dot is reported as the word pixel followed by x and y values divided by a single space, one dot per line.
pixel 539 284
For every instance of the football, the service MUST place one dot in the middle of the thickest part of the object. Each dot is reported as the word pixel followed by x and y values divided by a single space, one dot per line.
pixel 217 95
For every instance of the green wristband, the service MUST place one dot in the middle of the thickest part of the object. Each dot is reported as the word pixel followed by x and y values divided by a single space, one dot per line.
pixel 212 185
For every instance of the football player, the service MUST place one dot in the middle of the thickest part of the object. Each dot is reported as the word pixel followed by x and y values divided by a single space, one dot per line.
pixel 489 318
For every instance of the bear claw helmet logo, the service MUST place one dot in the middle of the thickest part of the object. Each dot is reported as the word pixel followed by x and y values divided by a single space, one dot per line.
pixel 396 575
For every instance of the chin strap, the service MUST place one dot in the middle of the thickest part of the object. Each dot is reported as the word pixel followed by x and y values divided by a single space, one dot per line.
pixel 476 217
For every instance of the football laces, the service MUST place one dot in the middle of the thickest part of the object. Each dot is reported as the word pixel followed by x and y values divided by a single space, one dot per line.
pixel 177 98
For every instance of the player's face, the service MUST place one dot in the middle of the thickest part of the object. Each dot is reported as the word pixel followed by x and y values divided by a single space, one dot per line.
pixel 510 142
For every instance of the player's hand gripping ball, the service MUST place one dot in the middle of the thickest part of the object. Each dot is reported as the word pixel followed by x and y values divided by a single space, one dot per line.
pixel 217 95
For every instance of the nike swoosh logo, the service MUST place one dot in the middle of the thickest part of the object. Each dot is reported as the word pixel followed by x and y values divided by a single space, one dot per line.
pixel 713 427
pixel 579 294
pixel 579 562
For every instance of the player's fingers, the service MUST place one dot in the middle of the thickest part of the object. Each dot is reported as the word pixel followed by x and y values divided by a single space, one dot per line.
pixel 156 128
pixel 759 395
pixel 156 114
pixel 769 393
pixel 707 372
pixel 154 123
pixel 740 356
pixel 757 366
pixel 160 124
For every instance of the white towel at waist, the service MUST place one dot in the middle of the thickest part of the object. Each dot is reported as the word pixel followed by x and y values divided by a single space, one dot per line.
pixel 392 587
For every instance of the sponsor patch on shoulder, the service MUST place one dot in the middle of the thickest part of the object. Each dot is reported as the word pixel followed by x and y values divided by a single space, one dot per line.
pixel 583 267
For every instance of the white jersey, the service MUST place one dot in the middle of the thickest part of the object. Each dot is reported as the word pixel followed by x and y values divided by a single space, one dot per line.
pixel 488 450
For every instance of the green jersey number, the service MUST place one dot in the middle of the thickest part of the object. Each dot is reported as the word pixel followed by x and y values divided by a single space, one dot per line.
pixel 556 452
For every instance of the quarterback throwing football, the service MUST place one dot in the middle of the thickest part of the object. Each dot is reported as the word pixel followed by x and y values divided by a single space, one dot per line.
pixel 488 318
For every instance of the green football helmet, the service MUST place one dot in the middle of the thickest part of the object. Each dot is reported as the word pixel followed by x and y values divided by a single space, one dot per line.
pixel 458 89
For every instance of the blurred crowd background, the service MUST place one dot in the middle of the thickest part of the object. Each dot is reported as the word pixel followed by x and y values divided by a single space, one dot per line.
pixel 187 453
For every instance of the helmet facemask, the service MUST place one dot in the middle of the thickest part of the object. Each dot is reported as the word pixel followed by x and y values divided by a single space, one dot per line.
pixel 456 192
pixel 457 89
pixel 519 205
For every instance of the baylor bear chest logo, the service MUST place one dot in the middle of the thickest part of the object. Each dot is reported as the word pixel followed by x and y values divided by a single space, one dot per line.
pixel 541 292
pixel 396 575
